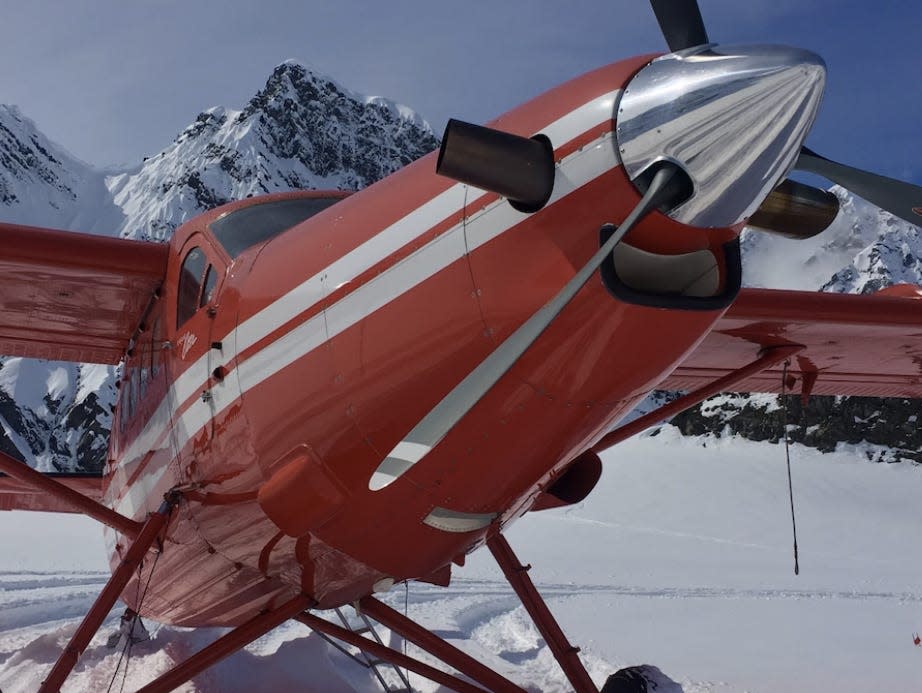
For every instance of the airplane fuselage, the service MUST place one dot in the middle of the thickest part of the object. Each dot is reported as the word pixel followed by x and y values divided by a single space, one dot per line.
pixel 270 388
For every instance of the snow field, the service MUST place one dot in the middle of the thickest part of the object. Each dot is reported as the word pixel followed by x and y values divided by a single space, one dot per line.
pixel 681 558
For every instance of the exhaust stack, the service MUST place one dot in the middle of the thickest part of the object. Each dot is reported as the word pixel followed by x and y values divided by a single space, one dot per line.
pixel 518 168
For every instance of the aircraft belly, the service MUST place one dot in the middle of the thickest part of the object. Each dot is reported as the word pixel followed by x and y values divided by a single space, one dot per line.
pixel 583 375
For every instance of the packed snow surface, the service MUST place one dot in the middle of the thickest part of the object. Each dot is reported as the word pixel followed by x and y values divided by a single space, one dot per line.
pixel 681 558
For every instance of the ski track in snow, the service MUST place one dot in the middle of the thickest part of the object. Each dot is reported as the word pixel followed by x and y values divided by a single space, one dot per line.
pixel 648 570
pixel 483 617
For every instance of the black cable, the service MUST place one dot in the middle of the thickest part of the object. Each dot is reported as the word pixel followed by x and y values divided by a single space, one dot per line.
pixel 137 617
pixel 787 454
pixel 406 609
pixel 118 665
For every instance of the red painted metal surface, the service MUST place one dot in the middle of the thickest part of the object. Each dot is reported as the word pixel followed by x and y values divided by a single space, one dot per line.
pixel 317 427
pixel 71 296
pixel 227 644
pixel 566 654
pixel 436 646
pixel 17 495
pixel 67 496
pixel 383 653
pixel 866 345
pixel 770 357
pixel 103 604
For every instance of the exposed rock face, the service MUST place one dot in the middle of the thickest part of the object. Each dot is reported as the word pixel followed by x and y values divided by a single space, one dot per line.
pixel 26 161
pixel 887 430
pixel 43 185
pixel 300 131
pixel 893 258
pixel 56 416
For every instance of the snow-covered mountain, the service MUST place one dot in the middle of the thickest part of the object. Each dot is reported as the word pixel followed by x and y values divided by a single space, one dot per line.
pixel 301 130
pixel 864 250
pixel 42 184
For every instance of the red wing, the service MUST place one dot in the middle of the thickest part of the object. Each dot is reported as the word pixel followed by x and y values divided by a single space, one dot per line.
pixel 15 495
pixel 73 297
pixel 856 345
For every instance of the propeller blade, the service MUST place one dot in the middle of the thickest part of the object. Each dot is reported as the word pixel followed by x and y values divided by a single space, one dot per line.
pixel 795 210
pixel 895 196
pixel 681 23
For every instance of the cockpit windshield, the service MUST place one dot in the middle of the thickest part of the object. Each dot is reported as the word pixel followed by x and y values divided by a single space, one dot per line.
pixel 249 226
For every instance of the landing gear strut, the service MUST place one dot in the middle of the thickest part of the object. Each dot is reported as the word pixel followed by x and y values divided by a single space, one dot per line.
pixel 100 609
pixel 566 654
pixel 627 680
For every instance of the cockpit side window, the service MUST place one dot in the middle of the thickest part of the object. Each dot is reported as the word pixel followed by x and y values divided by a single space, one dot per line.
pixel 249 226
pixel 190 284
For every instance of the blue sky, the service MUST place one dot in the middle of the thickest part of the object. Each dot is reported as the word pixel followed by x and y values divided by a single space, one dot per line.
pixel 115 81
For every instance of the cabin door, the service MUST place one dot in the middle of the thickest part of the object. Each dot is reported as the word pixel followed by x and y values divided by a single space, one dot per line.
pixel 197 352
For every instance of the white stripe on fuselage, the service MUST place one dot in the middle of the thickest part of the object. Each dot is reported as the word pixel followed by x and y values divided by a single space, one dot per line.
pixel 574 171
pixel 403 232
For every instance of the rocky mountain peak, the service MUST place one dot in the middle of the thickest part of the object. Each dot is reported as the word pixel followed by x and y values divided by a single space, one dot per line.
pixel 292 81
pixel 313 120
pixel 300 131
pixel 30 162
pixel 894 256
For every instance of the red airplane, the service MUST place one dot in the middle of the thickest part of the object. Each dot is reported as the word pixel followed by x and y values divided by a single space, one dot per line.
pixel 324 394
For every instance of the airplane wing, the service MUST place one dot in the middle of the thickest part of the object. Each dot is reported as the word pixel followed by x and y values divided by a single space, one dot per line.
pixel 868 345
pixel 15 495
pixel 68 296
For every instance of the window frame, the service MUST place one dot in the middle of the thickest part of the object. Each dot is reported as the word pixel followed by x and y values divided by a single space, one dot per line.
pixel 187 305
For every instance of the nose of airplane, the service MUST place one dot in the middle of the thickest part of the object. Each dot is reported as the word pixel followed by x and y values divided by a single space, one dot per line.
pixel 733 117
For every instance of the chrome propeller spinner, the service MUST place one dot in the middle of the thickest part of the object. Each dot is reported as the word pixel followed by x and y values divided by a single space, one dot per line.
pixel 733 118
pixel 728 99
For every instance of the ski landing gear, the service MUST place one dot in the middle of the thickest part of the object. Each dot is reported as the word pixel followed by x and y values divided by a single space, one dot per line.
pixel 130 631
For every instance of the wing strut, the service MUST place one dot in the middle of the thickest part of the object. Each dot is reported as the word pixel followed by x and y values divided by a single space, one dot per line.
pixel 321 625
pixel 110 593
pixel 436 646
pixel 770 357
pixel 67 496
